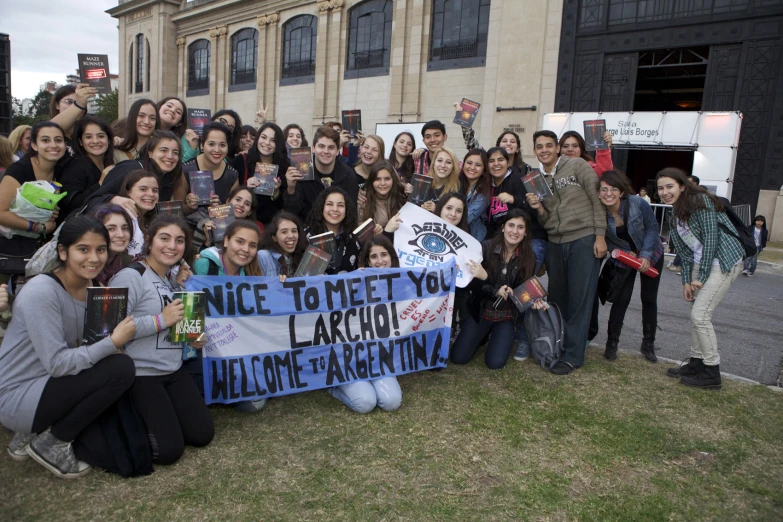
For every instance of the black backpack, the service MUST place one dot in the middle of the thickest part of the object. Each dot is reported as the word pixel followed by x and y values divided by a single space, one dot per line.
pixel 744 233
pixel 546 332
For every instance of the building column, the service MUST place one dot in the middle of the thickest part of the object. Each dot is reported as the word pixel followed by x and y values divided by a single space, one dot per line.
pixel 182 67
pixel 218 81
pixel 268 65
pixel 327 62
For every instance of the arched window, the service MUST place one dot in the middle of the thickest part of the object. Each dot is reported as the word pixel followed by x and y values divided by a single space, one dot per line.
pixel 244 56
pixel 198 68
pixel 299 36
pixel 459 34
pixel 369 39
pixel 139 62
pixel 130 70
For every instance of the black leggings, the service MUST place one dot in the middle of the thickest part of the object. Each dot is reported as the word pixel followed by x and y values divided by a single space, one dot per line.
pixel 69 404
pixel 174 414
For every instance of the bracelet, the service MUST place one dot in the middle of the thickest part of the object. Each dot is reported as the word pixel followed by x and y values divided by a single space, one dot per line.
pixel 160 325
pixel 30 226
pixel 80 107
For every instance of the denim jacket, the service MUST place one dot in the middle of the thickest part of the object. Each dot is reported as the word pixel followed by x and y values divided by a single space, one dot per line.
pixel 642 227
pixel 269 261
pixel 477 208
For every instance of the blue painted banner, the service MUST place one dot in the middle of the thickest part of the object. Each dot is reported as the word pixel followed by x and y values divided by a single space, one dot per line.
pixel 266 338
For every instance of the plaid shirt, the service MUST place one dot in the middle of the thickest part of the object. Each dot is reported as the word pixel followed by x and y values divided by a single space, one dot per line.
pixel 422 165
pixel 716 242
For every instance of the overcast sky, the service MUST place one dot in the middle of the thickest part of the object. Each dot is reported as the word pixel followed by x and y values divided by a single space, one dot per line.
pixel 46 36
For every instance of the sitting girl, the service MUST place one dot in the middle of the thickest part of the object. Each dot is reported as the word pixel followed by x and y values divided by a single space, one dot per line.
pixel 364 396
pixel 119 225
pixel 283 246
pixel 333 211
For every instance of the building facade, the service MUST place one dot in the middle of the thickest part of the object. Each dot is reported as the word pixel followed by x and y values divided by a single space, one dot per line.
pixel 397 60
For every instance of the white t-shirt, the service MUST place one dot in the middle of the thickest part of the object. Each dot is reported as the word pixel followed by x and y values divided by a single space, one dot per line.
pixel 757 236
pixel 137 239
pixel 693 243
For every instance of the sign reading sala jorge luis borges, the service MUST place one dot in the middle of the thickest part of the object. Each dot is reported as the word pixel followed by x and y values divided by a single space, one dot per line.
pixel 266 338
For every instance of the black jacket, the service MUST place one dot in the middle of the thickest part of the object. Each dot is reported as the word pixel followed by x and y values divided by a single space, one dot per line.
pixel 306 192
pixel 266 207
pixel 511 184
pixel 79 178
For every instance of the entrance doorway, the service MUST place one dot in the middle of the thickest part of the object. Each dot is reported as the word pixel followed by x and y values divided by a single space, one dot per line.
pixel 671 79
pixel 643 165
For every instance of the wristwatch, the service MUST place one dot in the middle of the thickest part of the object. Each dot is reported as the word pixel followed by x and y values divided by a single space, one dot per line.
pixel 40 228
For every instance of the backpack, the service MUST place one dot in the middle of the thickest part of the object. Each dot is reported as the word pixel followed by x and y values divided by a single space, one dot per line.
pixel 546 332
pixel 744 233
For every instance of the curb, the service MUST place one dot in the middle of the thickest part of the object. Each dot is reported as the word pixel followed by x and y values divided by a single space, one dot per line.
pixel 770 267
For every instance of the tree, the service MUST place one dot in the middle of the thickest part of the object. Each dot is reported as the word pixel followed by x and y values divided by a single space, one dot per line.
pixel 19 116
pixel 108 106
pixel 40 107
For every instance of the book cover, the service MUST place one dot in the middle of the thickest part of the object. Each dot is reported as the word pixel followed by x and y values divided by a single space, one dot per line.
pixel 535 183
pixel 302 159
pixel 265 173
pixel 170 207
pixel 352 121
pixel 313 263
pixel 364 232
pixel 202 185
pixel 106 308
pixel 324 242
pixel 421 188
pixel 222 216
pixel 94 70
pixel 197 118
pixel 528 292
pixel 467 115
pixel 594 135
pixel 191 327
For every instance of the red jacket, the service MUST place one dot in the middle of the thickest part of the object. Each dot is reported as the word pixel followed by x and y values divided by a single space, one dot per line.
pixel 603 162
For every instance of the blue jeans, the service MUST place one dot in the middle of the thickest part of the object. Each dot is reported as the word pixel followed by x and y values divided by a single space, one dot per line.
pixel 751 262
pixel 364 396
pixel 573 278
pixel 501 342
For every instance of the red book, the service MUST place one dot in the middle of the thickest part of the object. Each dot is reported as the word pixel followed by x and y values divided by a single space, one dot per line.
pixel 632 261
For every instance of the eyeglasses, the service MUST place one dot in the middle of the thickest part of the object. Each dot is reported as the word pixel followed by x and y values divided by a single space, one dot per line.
pixel 606 190
pixel 225 122
pixel 68 101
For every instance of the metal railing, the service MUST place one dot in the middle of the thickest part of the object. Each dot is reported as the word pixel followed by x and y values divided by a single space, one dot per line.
pixel 662 213
pixel 743 211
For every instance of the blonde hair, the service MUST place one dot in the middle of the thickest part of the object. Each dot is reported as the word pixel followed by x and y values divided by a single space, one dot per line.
pixel 6 153
pixel 451 183
pixel 381 147
pixel 16 136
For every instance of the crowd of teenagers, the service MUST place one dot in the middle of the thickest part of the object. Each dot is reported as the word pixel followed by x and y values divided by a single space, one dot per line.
pixel 59 394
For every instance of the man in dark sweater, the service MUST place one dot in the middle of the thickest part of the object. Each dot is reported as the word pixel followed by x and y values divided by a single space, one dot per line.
pixel 299 196
pixel 575 221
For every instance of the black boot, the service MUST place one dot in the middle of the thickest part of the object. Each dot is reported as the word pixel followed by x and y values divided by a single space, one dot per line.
pixel 648 341
pixel 612 340
pixel 689 369
pixel 708 377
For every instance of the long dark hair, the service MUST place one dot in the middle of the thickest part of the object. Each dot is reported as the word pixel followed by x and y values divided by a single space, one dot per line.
pixel 128 182
pixel 484 183
pixel 406 169
pixel 381 241
pixel 525 261
pixel 235 136
pixel 463 223
pixel 693 198
pixel 36 129
pixel 131 134
pixel 149 164
pixel 252 268
pixel 78 131
pixel 58 95
pixel 163 221
pixel 269 243
pixel 396 196
pixel 180 128
pixel 580 140
pixel 297 127
pixel 315 219
pixel 518 156
pixel 75 228
pixel 279 156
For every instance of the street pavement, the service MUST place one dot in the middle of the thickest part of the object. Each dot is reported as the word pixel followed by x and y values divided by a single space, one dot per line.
pixel 748 324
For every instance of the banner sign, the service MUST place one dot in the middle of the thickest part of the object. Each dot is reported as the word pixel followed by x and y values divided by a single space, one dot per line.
pixel 266 338
pixel 424 239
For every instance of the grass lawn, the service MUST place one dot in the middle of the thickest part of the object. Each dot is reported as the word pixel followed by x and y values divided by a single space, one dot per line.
pixel 613 441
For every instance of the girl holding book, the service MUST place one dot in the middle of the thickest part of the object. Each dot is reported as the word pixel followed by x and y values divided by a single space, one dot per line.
pixel 283 246
pixel 508 140
pixel 269 149
pixel 232 121
pixel 52 386
pixel 164 394
pixel 475 183
pixel 119 225
pixel 294 137
pixel 572 145
pixel 334 213
pixel 445 176
pixel 508 262
pixel 371 150
pixel 384 194
pixel 141 123
pixel 385 393
pixel 243 204
pixel 400 157
pixel 507 190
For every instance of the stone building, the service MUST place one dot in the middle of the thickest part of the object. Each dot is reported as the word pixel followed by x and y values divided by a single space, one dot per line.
pixel 396 60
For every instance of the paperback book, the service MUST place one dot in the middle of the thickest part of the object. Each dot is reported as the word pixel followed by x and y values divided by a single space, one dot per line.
pixel 467 115
pixel 265 173
pixel 197 118
pixel 94 70
pixel 191 327
pixel 535 183
pixel 302 159
pixel 222 216
pixel 594 135
pixel 352 121
pixel 170 207
pixel 313 263
pixel 364 232
pixel 202 185
pixel 106 308
pixel 421 188
pixel 325 242
pixel 527 293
